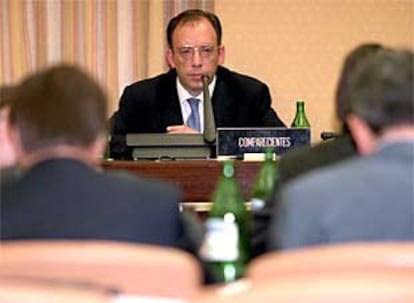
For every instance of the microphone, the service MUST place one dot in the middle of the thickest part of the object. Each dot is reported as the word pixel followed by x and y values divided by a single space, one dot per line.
pixel 209 133
pixel 329 135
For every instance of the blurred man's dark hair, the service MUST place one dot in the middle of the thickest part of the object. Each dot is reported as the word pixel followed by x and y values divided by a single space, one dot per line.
pixel 381 90
pixel 61 105
pixel 191 16
pixel 352 60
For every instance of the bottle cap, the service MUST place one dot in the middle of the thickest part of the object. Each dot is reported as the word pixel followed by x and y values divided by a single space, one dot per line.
pixel 228 169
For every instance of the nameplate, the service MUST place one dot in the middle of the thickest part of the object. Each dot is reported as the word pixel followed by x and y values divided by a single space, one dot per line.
pixel 239 141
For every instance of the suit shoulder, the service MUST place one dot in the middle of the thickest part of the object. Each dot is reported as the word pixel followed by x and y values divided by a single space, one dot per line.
pixel 318 151
pixel 152 83
pixel 307 158
pixel 328 178
pixel 238 78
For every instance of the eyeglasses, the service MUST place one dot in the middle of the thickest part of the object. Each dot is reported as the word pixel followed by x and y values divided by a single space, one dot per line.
pixel 186 53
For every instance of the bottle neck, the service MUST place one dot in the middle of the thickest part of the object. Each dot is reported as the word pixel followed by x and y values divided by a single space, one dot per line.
pixel 268 154
pixel 300 107
pixel 300 119
pixel 228 170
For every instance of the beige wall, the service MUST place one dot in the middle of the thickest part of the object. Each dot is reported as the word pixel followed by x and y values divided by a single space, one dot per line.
pixel 297 46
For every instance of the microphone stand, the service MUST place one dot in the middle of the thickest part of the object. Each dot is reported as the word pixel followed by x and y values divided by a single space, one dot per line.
pixel 209 133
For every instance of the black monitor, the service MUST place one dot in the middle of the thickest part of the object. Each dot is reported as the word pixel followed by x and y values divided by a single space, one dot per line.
pixel 168 146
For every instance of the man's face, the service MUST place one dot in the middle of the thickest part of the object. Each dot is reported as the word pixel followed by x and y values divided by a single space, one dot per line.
pixel 195 53
pixel 6 149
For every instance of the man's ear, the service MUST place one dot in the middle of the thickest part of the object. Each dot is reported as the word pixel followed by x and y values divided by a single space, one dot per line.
pixel 97 147
pixel 222 54
pixel 17 144
pixel 169 56
pixel 364 138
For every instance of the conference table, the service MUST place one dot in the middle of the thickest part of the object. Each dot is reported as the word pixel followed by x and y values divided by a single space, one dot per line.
pixel 197 179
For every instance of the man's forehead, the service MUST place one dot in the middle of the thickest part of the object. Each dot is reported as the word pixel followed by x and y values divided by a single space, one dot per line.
pixel 192 24
pixel 192 21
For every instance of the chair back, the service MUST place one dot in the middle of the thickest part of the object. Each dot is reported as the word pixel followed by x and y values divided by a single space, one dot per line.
pixel 326 287
pixel 339 258
pixel 17 291
pixel 353 272
pixel 127 268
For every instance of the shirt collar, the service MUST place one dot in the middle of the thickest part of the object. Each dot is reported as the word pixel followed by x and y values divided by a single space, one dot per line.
pixel 183 94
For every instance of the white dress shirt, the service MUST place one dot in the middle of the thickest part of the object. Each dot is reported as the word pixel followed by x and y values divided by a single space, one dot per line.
pixel 183 95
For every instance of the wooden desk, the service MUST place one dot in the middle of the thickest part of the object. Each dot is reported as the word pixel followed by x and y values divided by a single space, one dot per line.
pixel 196 178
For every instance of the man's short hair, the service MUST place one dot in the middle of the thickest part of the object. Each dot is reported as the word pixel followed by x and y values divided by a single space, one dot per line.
pixel 60 105
pixel 190 16
pixel 381 90
pixel 358 55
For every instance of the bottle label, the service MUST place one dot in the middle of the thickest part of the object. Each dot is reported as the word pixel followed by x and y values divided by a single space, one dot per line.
pixel 221 241
pixel 257 203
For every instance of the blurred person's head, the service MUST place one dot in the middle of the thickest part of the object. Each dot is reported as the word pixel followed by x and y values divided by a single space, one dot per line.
pixel 381 100
pixel 354 58
pixel 58 112
pixel 194 47
pixel 7 154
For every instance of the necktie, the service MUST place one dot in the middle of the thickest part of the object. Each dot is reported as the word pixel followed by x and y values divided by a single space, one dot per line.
pixel 193 120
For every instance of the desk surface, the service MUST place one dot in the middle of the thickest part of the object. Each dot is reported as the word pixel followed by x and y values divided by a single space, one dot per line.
pixel 196 178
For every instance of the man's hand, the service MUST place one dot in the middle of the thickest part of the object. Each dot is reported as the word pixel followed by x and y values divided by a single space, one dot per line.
pixel 180 129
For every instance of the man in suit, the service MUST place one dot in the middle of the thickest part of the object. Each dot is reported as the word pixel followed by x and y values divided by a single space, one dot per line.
pixel 370 197
pixel 58 121
pixel 302 160
pixel 160 104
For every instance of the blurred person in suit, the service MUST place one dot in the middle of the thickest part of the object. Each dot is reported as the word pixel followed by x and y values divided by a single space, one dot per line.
pixel 159 104
pixel 58 129
pixel 369 197
pixel 302 160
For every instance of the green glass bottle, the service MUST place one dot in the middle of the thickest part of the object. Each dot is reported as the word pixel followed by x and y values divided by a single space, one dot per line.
pixel 227 248
pixel 107 152
pixel 300 118
pixel 265 182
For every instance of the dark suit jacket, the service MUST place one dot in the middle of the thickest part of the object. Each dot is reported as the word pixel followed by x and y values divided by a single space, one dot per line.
pixel 366 198
pixel 292 165
pixel 305 159
pixel 64 198
pixel 9 174
pixel 149 106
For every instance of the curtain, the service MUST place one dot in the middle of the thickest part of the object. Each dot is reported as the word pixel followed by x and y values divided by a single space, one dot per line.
pixel 118 42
